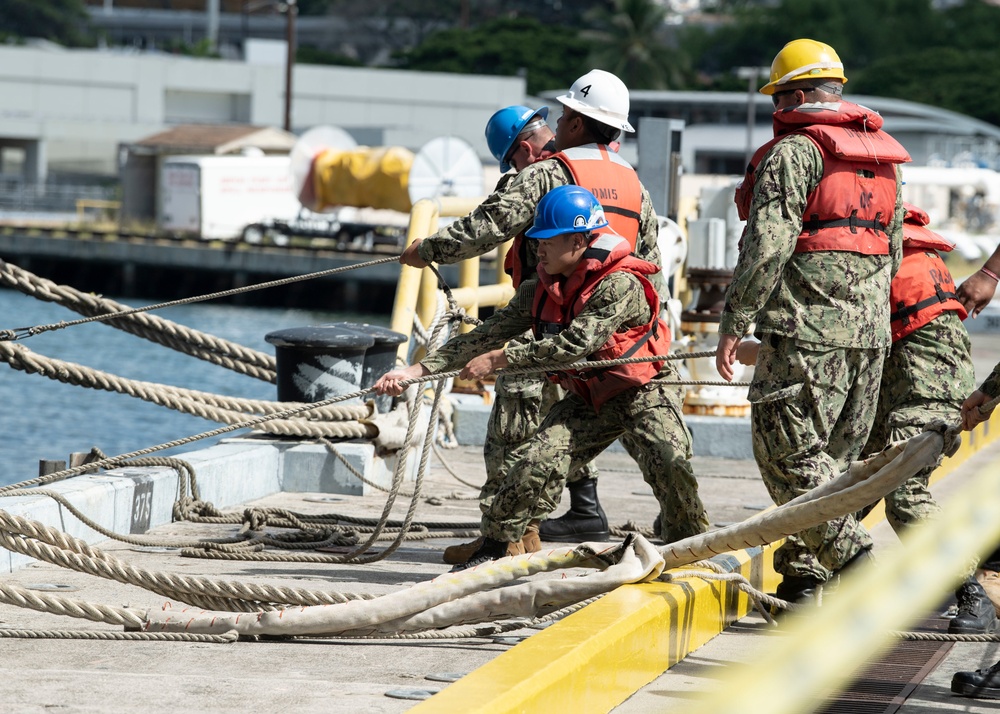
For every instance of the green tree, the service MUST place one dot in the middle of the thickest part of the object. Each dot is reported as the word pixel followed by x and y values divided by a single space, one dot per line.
pixel 308 54
pixel 892 48
pixel 549 57
pixel 314 7
pixel 62 21
pixel 945 77
pixel 861 31
pixel 632 45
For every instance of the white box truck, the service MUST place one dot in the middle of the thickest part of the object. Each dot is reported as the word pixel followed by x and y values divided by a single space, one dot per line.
pixel 216 197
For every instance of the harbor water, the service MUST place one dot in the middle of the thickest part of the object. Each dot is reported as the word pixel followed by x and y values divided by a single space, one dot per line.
pixel 46 419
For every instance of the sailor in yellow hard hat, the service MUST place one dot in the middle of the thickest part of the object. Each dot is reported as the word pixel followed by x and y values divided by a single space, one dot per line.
pixel 805 59
pixel 823 238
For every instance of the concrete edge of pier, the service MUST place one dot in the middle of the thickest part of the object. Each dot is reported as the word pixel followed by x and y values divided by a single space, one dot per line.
pixel 630 636
pixel 133 499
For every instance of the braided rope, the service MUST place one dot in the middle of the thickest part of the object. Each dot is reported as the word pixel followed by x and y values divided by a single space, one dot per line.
pixel 987 408
pixel 699 383
pixel 23 597
pixel 448 467
pixel 228 638
pixel 332 449
pixel 251 550
pixel 22 332
pixel 182 400
pixel 480 630
pixel 66 473
pixel 52 546
pixel 150 327
pixel 943 637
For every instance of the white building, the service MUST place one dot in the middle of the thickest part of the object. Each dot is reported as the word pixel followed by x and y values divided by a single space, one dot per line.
pixel 69 110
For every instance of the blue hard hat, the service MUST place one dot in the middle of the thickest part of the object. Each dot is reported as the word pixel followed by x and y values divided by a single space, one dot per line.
pixel 567 209
pixel 504 126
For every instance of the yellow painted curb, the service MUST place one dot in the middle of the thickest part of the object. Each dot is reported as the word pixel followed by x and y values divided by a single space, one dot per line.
pixel 598 657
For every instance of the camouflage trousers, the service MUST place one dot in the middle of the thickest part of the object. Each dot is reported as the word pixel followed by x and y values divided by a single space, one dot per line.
pixel 648 422
pixel 522 401
pixel 901 415
pixel 812 409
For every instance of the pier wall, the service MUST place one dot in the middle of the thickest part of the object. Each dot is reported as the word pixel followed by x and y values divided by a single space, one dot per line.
pixel 234 472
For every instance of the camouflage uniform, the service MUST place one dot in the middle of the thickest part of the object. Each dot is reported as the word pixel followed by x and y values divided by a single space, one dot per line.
pixel 511 209
pixel 823 320
pixel 927 376
pixel 991 387
pixel 647 419
pixel 521 400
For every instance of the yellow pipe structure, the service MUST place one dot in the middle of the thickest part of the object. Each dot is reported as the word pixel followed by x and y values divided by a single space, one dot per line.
pixel 417 291
pixel 490 295
pixel 502 277
pixel 468 277
pixel 454 207
pixel 423 218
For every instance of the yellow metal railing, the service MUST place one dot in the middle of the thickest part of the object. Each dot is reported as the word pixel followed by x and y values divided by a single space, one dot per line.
pixel 417 290
pixel 105 208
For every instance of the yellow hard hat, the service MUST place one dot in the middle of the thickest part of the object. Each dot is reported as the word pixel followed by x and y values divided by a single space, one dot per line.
pixel 804 59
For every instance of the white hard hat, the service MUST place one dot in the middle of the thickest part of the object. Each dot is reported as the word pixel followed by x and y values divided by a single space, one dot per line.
pixel 602 96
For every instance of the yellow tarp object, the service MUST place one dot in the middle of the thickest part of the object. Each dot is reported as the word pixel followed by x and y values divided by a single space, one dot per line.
pixel 363 177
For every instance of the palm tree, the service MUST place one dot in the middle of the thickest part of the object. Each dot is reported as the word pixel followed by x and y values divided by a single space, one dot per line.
pixel 631 44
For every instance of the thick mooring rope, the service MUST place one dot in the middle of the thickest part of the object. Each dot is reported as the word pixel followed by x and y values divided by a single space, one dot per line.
pixel 226 410
pixel 22 535
pixel 149 327
pixel 20 333
pixel 56 547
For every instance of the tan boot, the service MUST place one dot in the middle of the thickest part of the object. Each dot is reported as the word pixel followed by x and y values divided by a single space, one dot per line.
pixel 531 542
pixel 456 554
pixel 515 548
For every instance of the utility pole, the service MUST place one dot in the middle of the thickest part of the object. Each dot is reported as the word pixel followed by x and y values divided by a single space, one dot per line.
pixel 751 74
pixel 212 26
pixel 292 10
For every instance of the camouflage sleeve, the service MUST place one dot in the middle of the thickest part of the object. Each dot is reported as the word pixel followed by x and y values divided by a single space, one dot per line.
pixel 646 247
pixel 896 226
pixel 500 217
pixel 504 324
pixel 618 301
pixel 991 387
pixel 786 176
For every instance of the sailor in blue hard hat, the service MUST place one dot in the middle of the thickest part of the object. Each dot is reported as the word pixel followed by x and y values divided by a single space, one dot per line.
pixel 518 136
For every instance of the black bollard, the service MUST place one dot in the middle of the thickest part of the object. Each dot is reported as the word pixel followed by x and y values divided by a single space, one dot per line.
pixel 319 362
pixel 380 357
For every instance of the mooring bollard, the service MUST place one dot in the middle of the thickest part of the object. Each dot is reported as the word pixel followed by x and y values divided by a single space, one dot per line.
pixel 380 357
pixel 319 362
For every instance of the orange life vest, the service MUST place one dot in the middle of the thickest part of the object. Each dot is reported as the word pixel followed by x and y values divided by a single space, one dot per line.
pixel 558 300
pixel 611 179
pixel 923 288
pixel 855 200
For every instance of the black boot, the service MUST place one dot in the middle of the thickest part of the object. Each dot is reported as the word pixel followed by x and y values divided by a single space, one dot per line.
pixel 585 519
pixel 860 558
pixel 489 550
pixel 797 588
pixel 992 561
pixel 976 613
pixel 982 684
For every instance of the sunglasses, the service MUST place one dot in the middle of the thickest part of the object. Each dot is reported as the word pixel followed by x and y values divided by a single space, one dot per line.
pixel 775 97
